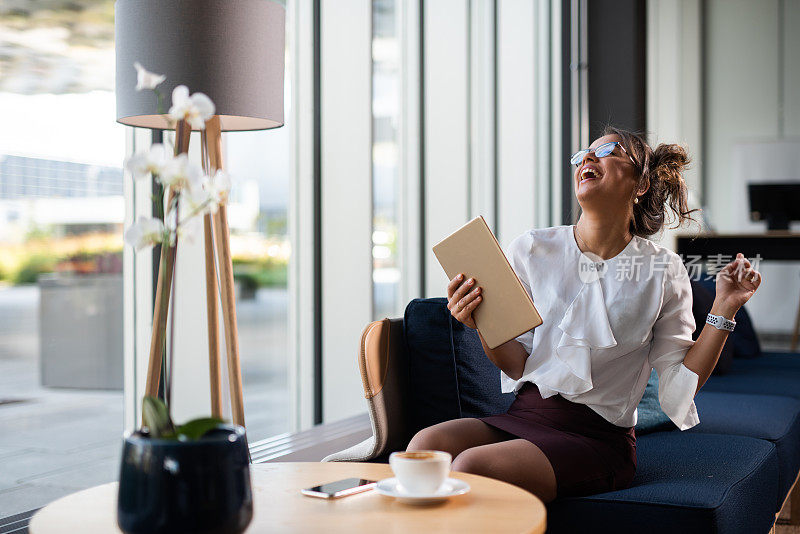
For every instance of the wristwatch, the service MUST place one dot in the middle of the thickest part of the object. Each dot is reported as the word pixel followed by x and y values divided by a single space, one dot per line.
pixel 720 322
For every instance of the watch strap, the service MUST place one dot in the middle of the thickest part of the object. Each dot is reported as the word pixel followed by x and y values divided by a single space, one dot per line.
pixel 720 322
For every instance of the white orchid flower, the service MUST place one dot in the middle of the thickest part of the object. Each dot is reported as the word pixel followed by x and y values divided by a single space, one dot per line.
pixel 196 197
pixel 214 191
pixel 181 174
pixel 146 79
pixel 144 233
pixel 195 109
pixel 217 189
pixel 154 161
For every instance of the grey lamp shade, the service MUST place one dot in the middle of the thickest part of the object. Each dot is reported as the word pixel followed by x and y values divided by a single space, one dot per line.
pixel 231 50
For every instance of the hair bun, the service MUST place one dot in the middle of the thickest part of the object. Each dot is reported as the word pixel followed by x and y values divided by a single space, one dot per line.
pixel 661 177
pixel 668 162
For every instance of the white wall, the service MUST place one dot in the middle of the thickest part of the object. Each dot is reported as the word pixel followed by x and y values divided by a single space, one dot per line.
pixel 674 89
pixel 346 138
pixel 517 105
pixel 461 180
pixel 447 129
pixel 746 123
pixel 752 126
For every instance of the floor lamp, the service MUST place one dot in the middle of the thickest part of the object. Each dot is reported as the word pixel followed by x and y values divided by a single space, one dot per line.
pixel 233 51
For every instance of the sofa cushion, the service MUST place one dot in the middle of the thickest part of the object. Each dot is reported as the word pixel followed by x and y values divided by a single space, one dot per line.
pixel 772 374
pixel 685 482
pixel 449 374
pixel 769 417
pixel 478 378
pixel 649 415
pixel 771 360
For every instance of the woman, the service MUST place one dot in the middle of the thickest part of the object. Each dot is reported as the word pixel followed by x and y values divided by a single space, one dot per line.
pixel 615 306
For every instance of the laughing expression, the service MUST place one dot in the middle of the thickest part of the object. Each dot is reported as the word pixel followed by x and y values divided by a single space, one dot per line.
pixel 609 180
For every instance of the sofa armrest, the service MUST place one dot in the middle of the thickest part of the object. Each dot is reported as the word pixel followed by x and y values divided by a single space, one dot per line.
pixel 383 363
pixel 360 452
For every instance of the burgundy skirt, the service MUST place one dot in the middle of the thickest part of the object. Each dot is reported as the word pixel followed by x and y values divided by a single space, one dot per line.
pixel 588 454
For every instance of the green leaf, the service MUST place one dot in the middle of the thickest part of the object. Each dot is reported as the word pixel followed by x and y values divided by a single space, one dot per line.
pixel 196 428
pixel 155 416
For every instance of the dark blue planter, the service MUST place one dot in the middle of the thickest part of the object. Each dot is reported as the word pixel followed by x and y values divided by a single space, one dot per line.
pixel 194 486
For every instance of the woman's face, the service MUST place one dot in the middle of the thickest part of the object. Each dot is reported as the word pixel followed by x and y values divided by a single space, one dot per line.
pixel 606 183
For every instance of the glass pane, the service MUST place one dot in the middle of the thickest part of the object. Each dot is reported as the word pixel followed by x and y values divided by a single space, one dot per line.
pixel 259 165
pixel 385 175
pixel 61 216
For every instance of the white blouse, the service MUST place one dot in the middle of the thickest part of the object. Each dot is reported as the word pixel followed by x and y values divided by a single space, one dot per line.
pixel 607 323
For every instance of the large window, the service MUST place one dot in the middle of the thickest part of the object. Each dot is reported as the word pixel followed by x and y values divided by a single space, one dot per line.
pixel 260 246
pixel 61 285
pixel 62 210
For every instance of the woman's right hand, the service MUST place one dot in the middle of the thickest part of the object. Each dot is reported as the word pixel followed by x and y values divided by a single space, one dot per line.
pixel 463 297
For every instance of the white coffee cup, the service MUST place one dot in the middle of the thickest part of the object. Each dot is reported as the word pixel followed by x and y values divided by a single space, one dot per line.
pixel 420 472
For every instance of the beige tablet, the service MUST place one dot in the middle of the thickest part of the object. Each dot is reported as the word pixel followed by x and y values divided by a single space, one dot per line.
pixel 507 310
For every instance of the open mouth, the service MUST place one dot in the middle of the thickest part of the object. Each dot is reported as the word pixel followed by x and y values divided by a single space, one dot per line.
pixel 589 174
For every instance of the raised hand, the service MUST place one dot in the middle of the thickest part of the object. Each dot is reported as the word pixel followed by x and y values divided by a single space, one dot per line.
pixel 737 282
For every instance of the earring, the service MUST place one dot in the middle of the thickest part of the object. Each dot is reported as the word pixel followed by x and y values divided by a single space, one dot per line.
pixel 636 200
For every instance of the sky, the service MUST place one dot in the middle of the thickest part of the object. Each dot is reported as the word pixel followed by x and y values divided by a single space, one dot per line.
pixel 76 127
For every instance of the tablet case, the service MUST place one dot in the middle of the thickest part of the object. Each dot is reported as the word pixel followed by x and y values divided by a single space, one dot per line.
pixel 507 310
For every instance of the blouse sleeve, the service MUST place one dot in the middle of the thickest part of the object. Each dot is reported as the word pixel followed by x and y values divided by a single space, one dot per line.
pixel 672 339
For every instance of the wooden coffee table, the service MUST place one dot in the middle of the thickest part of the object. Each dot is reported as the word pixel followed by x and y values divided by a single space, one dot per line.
pixel 278 505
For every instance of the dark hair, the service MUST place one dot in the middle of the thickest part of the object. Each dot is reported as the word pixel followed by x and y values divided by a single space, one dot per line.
pixel 661 169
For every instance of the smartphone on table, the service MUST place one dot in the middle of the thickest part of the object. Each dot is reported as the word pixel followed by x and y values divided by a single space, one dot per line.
pixel 340 488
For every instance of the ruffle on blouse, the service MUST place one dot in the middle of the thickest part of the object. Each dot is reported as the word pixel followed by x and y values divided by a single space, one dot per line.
pixel 585 326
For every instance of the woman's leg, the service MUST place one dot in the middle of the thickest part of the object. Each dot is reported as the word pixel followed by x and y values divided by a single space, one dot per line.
pixel 456 436
pixel 516 461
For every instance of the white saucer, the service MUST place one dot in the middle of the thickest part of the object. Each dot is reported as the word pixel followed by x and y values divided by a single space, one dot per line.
pixel 451 487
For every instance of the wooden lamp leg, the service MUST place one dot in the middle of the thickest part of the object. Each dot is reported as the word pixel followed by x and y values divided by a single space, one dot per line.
pixel 213 140
pixel 164 284
pixel 212 312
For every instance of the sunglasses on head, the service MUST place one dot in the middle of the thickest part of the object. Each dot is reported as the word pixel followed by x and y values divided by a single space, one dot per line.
pixel 602 151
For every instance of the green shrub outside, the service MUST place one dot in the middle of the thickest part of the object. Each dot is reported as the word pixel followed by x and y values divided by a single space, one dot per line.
pixel 33 264
pixel 31 267
pixel 254 274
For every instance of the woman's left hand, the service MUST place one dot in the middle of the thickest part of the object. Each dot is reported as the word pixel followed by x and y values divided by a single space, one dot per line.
pixel 737 282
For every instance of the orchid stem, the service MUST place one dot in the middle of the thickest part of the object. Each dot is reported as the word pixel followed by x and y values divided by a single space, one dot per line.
pixel 171 352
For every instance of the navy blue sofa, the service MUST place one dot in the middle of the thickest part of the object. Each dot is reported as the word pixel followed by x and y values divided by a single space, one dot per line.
pixel 729 474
